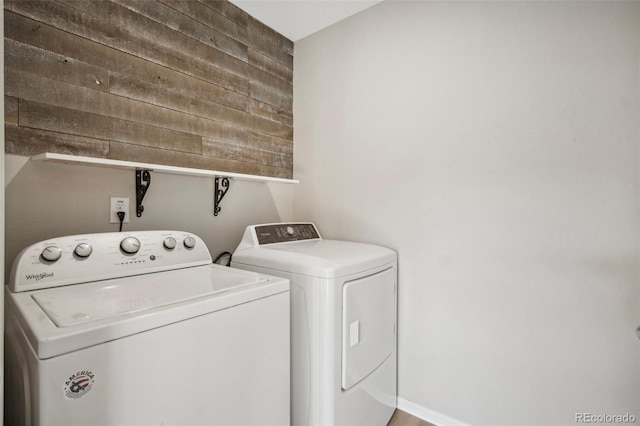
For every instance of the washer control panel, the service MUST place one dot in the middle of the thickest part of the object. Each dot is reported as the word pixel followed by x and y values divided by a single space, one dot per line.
pixel 91 257
pixel 285 232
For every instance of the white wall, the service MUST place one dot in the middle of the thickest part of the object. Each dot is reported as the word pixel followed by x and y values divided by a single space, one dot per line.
pixel 495 146
pixel 45 200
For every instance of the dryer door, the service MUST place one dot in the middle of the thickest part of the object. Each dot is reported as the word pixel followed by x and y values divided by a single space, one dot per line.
pixel 368 324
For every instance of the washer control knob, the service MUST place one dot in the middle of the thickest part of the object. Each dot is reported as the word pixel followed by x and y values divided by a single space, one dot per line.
pixel 130 245
pixel 290 230
pixel 51 253
pixel 169 243
pixel 83 250
pixel 189 242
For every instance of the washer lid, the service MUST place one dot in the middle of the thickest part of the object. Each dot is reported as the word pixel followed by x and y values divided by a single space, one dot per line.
pixel 62 320
pixel 79 304
pixel 317 258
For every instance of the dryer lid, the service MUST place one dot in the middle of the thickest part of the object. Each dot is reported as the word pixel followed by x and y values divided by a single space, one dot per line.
pixel 318 258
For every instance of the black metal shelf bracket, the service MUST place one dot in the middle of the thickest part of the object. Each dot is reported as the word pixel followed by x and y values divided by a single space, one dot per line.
pixel 221 187
pixel 143 180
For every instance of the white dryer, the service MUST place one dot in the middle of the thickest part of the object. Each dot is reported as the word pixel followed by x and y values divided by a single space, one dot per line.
pixel 141 328
pixel 343 321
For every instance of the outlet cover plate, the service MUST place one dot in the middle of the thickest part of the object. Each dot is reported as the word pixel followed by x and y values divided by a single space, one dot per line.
pixel 118 204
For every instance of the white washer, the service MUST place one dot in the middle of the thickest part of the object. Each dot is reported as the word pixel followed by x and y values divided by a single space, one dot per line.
pixel 141 328
pixel 343 321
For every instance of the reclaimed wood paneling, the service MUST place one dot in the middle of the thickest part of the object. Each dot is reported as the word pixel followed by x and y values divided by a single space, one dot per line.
pixel 229 11
pixel 270 112
pixel 10 110
pixel 76 122
pixel 50 39
pixel 177 82
pixel 120 151
pixel 31 59
pixel 175 18
pixel 271 66
pixel 240 152
pixel 269 42
pixel 27 141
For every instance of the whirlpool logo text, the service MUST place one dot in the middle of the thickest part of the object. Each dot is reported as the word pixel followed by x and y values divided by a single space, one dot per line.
pixel 38 277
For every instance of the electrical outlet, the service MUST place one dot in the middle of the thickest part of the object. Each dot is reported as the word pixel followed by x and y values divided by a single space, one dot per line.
pixel 119 204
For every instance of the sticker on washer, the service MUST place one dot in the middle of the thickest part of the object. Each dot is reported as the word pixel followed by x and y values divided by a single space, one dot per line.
pixel 79 384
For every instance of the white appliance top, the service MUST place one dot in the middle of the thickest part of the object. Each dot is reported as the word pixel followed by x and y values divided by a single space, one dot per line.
pixel 75 301
pixel 299 248
pixel 92 257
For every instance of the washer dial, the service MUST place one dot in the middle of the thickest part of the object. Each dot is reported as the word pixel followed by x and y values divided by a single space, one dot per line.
pixel 189 242
pixel 130 245
pixel 51 253
pixel 83 250
pixel 169 243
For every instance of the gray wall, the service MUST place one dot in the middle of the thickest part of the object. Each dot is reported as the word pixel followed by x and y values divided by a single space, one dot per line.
pixel 495 146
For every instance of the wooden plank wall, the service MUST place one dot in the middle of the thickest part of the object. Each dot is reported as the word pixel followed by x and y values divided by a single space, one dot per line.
pixel 178 82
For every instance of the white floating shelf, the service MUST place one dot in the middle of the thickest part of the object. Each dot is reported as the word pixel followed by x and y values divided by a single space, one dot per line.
pixel 130 165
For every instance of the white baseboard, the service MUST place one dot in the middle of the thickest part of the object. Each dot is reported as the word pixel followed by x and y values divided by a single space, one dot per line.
pixel 428 415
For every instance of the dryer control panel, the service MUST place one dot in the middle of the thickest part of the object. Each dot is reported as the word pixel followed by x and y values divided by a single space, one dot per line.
pixel 285 232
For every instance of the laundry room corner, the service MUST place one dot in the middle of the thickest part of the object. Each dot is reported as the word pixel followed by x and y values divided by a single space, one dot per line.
pixel 282 195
